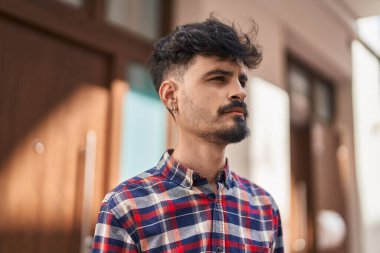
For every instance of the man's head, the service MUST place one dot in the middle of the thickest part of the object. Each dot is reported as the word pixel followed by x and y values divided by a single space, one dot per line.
pixel 199 71
pixel 175 51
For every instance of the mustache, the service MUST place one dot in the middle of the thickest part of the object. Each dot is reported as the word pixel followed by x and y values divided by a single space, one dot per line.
pixel 234 104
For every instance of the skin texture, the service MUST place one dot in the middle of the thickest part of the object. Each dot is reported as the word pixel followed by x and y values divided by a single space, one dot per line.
pixel 204 118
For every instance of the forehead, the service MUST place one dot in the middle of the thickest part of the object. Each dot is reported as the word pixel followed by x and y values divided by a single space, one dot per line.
pixel 203 64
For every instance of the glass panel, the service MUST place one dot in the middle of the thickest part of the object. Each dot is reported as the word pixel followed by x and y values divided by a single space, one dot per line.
pixel 138 76
pixel 143 134
pixel 144 127
pixel 299 85
pixel 323 106
pixel 75 3
pixel 139 16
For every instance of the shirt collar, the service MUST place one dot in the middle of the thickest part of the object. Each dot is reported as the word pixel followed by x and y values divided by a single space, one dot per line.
pixel 181 175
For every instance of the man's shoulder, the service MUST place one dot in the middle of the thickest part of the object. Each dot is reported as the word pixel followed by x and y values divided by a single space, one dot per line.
pixel 136 187
pixel 258 193
pixel 248 185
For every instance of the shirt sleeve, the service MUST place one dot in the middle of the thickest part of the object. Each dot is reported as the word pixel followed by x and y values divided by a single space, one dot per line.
pixel 278 245
pixel 110 235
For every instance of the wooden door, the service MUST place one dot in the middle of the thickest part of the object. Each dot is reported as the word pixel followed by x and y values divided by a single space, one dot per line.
pixel 53 92
pixel 302 204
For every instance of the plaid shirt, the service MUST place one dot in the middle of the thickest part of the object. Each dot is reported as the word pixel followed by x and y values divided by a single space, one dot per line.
pixel 171 208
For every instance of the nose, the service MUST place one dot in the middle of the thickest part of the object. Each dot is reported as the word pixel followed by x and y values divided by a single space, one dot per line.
pixel 238 93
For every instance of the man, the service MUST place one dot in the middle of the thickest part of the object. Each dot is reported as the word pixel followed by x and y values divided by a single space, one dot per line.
pixel 192 201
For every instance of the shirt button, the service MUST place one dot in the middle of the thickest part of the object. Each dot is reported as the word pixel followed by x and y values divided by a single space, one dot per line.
pixel 219 249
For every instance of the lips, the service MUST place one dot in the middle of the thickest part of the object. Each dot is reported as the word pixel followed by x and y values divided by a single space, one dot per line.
pixel 236 109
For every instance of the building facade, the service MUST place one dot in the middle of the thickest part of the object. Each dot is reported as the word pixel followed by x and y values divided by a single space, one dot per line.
pixel 74 86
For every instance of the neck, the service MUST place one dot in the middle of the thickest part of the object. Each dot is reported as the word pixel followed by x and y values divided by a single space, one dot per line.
pixel 201 156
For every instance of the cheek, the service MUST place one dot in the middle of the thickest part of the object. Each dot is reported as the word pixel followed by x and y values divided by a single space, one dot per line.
pixel 210 100
pixel 206 100
pixel 208 106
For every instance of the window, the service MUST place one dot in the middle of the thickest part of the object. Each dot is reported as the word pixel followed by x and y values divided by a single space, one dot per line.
pixel 144 124
pixel 322 102
pixel 74 3
pixel 311 96
pixel 299 88
pixel 142 17
pixel 139 79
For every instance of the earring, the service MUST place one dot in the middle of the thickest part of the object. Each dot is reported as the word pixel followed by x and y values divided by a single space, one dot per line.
pixel 174 110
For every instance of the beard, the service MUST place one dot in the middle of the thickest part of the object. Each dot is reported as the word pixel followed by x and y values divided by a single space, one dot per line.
pixel 232 134
pixel 211 129
pixel 238 132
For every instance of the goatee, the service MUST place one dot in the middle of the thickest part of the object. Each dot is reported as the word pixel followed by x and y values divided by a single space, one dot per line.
pixel 235 134
pixel 238 132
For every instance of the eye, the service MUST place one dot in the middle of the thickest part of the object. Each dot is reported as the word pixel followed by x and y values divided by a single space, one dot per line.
pixel 243 79
pixel 218 78
pixel 243 83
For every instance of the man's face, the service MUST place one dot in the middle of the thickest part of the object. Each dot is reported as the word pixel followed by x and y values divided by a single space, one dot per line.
pixel 210 100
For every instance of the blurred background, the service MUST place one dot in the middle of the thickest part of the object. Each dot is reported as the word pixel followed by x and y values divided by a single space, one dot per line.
pixel 79 114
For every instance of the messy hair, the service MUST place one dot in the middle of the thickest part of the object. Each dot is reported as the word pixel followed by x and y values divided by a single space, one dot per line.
pixel 209 38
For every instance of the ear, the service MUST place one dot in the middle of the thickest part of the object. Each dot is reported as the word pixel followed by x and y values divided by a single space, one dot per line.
pixel 167 93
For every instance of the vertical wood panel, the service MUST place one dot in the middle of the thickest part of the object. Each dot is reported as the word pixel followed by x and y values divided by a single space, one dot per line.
pixel 53 92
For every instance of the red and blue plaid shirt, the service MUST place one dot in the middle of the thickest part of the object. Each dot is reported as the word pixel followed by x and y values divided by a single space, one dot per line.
pixel 171 208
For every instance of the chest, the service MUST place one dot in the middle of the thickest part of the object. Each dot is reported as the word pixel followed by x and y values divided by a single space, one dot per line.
pixel 204 223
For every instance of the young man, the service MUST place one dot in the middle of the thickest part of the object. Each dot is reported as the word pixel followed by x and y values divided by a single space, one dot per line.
pixel 192 201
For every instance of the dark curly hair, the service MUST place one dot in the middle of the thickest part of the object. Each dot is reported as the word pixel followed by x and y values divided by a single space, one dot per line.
pixel 209 38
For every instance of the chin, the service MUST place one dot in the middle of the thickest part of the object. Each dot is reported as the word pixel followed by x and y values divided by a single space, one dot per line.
pixel 238 132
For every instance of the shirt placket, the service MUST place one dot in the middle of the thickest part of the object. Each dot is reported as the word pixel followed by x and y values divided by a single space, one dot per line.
pixel 218 222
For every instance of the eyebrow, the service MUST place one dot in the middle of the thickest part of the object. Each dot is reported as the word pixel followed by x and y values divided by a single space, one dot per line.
pixel 218 72
pixel 242 76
